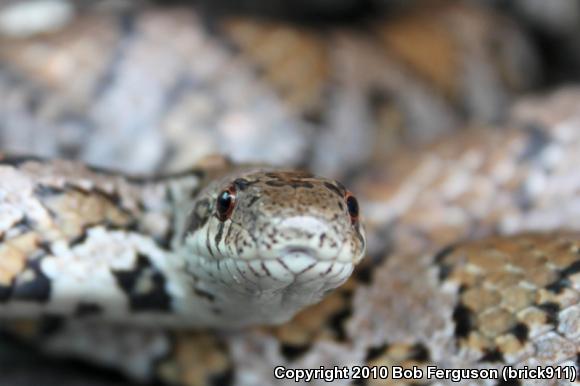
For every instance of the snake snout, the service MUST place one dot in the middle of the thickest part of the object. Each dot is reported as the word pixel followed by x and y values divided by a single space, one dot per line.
pixel 302 224
pixel 306 234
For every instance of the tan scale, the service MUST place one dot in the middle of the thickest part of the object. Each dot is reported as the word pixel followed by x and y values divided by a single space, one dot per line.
pixel 293 59
pixel 426 44
pixel 75 211
pixel 494 318
pixel 311 325
pixel 83 48
pixel 14 254
pixel 211 361
pixel 491 325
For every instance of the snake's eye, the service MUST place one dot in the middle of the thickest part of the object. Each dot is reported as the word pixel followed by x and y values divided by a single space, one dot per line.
pixel 226 201
pixel 353 208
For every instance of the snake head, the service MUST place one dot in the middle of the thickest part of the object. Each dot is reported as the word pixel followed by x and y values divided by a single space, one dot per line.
pixel 271 242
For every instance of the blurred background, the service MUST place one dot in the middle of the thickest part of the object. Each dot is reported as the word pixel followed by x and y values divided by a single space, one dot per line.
pixel 335 86
pixel 331 85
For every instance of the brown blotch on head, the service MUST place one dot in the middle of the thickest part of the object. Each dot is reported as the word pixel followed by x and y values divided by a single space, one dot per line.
pixel 199 215
pixel 335 189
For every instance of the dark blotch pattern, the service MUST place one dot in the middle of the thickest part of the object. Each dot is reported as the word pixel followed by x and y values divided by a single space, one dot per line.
pixel 337 320
pixel 444 269
pixel 80 238
pixel 521 331
pixel 200 214
pixel 492 356
pixel 292 352
pixel 24 225
pixel 335 189
pixel 294 180
pixel 17 161
pixel 563 281
pixel 156 299
pixel 551 310
pixel 42 191
pixel 50 324
pixel 292 183
pixel 364 274
pixel 420 353
pixel 538 140
pixel 572 269
pixel 204 294
pixel 364 271
pixel 559 285
pixel 225 378
pixel 509 382
pixel 359 382
pixel 375 352
pixel 462 316
pixel 88 309
pixel 37 289
pixel 242 184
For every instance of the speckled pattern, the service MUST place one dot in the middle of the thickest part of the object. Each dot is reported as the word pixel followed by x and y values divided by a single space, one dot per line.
pixel 509 300
pixel 521 176
pixel 256 90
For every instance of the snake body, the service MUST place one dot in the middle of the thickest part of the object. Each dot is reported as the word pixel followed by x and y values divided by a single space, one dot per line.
pixel 256 90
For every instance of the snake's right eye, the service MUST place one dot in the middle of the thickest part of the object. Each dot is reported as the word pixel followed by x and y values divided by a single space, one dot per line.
pixel 226 201
pixel 353 207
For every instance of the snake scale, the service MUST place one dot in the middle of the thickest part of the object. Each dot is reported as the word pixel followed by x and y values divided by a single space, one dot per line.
pixel 424 295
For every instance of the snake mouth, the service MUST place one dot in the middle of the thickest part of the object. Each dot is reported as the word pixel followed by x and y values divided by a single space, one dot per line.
pixel 304 265
pixel 299 250
pixel 299 260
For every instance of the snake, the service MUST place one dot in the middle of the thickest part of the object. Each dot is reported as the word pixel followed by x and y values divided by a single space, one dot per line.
pixel 249 246
pixel 469 265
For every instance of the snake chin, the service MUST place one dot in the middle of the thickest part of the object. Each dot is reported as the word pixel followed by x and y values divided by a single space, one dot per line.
pixel 269 290
pixel 291 272
pixel 305 266
pixel 295 281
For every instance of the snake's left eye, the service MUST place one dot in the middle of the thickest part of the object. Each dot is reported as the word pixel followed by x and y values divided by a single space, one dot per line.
pixel 353 208
pixel 226 201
